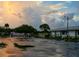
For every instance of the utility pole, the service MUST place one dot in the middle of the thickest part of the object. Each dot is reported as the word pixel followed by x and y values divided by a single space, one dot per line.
pixel 67 27
pixel 68 17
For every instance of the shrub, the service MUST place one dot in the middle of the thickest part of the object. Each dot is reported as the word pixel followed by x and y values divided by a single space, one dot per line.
pixel 3 45
pixel 71 39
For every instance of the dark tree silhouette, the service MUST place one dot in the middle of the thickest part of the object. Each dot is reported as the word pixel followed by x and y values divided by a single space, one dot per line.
pixel 2 29
pixel 7 29
pixel 25 29
pixel 6 25
pixel 45 27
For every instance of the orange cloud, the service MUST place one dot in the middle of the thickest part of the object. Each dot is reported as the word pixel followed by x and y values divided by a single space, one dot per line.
pixel 12 12
pixel 61 13
pixel 52 12
pixel 76 18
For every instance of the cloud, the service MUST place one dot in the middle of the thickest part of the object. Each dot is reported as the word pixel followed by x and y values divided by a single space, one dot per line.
pixel 76 18
pixel 57 6
pixel 12 12
pixel 32 17
pixel 53 17
pixel 34 13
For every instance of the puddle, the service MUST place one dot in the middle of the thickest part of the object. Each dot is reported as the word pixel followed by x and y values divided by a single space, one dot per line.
pixel 43 48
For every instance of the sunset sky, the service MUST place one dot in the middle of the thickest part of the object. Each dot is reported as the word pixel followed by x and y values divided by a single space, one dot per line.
pixel 36 13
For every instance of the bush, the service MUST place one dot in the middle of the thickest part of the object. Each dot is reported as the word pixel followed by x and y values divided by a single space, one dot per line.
pixel 47 36
pixel 2 45
pixel 71 39
pixel 58 38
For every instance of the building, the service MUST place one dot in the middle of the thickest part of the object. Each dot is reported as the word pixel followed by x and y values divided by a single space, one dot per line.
pixel 20 35
pixel 15 34
pixel 72 31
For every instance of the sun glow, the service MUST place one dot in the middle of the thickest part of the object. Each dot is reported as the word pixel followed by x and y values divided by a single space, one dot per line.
pixel 14 13
pixel 9 7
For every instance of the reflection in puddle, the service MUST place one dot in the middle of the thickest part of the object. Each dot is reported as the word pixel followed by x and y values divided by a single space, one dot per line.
pixel 43 48
pixel 10 49
pixel 23 47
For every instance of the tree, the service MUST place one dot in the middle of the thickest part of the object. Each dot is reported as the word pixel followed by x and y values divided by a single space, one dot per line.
pixel 25 29
pixel 6 25
pixel 45 30
pixel 2 29
pixel 45 27
pixel 7 29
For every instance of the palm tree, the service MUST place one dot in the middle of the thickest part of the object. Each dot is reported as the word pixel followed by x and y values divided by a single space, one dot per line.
pixel 45 27
pixel 6 25
pixel 7 29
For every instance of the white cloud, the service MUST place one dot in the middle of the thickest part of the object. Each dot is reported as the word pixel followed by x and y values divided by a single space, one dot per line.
pixel 76 18
pixel 57 6
pixel 12 12
pixel 35 13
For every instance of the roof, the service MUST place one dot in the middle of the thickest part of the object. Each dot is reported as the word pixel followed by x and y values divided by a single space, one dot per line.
pixel 73 28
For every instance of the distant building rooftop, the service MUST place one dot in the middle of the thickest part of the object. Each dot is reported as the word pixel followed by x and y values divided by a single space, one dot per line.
pixel 73 28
